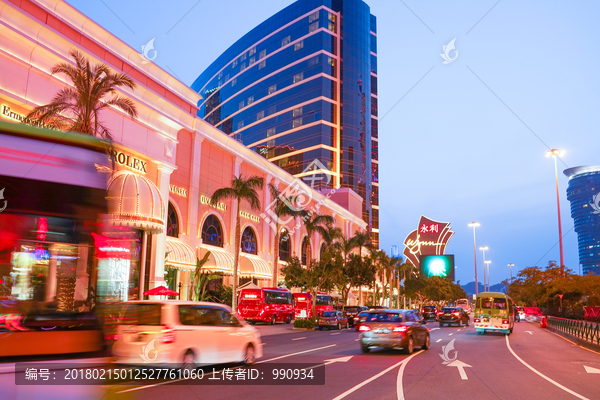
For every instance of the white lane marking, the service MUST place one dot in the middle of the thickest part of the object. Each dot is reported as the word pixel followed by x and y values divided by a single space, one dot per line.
pixel 458 330
pixel 356 340
pixel 295 354
pixel 399 387
pixel 299 338
pixel 433 329
pixel 531 333
pixel 449 334
pixel 461 368
pixel 558 385
pixel 339 359
pixel 591 370
pixel 439 340
pixel 335 333
pixel 371 379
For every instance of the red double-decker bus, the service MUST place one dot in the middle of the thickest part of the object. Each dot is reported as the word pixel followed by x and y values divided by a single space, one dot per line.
pixel 266 305
pixel 303 304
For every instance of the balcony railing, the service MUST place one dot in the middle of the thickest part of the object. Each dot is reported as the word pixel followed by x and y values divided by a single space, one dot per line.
pixel 584 330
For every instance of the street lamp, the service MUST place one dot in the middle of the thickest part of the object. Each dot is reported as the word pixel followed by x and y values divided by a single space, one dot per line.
pixel 511 265
pixel 483 249
pixel 474 225
pixel 555 153
pixel 487 263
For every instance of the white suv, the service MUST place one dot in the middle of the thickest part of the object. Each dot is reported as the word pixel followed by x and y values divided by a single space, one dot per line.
pixel 186 333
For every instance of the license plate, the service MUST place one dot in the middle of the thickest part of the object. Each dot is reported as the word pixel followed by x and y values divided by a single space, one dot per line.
pixel 381 331
pixel 303 313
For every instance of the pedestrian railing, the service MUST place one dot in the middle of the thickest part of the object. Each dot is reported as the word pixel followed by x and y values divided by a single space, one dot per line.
pixel 585 330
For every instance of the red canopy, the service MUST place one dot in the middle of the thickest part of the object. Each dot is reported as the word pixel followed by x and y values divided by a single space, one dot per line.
pixel 160 291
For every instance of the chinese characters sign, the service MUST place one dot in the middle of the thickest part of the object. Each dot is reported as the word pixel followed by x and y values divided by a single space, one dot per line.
pixel 430 238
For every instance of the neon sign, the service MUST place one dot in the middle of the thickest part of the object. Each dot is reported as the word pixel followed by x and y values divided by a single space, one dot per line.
pixel 249 216
pixel 430 238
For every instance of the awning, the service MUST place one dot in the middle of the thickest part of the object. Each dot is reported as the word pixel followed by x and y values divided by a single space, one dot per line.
pixel 135 201
pixel 218 261
pixel 180 255
pixel 247 285
pixel 253 266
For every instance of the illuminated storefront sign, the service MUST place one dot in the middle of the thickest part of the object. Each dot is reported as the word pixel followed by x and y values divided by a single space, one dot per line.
pixel 8 113
pixel 178 190
pixel 249 216
pixel 128 160
pixel 430 238
pixel 206 200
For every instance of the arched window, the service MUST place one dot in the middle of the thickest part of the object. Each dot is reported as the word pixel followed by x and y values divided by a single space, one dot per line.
pixel 285 244
pixel 249 241
pixel 172 222
pixel 305 250
pixel 323 248
pixel 212 233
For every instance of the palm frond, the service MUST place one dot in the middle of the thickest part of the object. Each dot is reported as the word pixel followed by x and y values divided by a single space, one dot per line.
pixel 222 194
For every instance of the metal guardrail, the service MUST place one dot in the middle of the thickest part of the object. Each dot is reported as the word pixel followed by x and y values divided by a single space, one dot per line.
pixel 584 330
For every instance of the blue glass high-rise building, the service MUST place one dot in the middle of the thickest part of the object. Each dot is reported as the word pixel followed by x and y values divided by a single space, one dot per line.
pixel 300 87
pixel 584 195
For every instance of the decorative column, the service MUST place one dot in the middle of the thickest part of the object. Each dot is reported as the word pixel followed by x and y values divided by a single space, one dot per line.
pixel 157 265
pixel 194 194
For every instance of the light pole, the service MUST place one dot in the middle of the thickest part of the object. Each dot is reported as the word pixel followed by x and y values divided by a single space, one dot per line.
pixel 483 249
pixel 511 265
pixel 555 153
pixel 487 263
pixel 474 225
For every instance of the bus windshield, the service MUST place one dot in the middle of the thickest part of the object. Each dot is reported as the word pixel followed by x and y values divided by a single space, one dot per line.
pixel 493 303
pixel 324 300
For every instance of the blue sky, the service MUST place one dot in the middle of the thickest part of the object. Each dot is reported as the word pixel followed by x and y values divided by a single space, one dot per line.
pixel 461 145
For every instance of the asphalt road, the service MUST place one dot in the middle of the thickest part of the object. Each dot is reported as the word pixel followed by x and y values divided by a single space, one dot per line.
pixel 532 363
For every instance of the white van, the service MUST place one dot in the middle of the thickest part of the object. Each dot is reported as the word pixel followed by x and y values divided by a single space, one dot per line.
pixel 185 333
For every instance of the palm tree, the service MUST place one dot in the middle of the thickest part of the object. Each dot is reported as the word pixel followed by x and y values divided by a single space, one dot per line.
pixel 317 223
pixel 280 208
pixel 242 189
pixel 77 108
pixel 361 239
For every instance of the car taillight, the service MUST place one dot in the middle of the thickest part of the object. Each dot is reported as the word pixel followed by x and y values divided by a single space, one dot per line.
pixel 399 329
pixel 111 337
pixel 457 314
pixel 167 335
pixel 477 320
pixel 364 328
pixel 505 321
pixel 356 318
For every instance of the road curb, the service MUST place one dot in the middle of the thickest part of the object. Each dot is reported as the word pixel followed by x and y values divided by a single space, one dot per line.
pixel 575 339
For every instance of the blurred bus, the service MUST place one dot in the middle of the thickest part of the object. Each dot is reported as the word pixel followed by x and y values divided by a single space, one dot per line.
pixel 464 304
pixel 266 305
pixel 303 304
pixel 51 199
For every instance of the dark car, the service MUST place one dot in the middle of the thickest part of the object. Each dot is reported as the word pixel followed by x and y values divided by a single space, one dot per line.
pixel 333 319
pixel 393 329
pixel 360 319
pixel 353 311
pixel 454 315
pixel 430 313
pixel 419 315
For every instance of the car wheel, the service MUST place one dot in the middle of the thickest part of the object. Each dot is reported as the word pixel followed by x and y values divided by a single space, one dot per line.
pixel 249 355
pixel 441 325
pixel 339 326
pixel 427 343
pixel 189 361
pixel 273 319
pixel 365 349
pixel 410 346
pixel 467 323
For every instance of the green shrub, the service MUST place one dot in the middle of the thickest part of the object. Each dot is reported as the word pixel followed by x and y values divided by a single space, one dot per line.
pixel 303 323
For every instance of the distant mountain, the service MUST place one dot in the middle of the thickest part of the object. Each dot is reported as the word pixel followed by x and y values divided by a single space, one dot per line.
pixel 470 288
